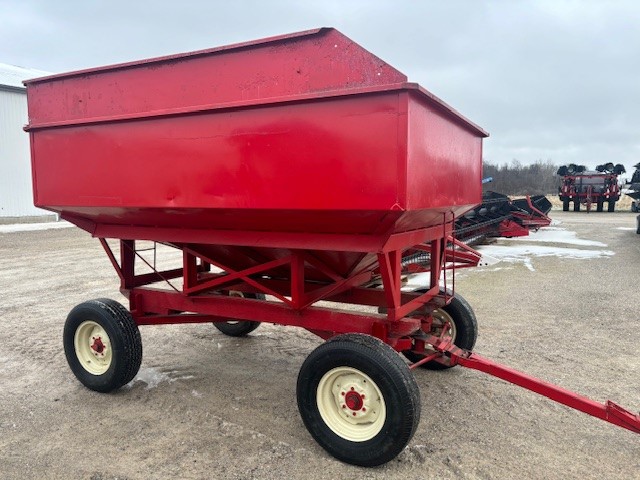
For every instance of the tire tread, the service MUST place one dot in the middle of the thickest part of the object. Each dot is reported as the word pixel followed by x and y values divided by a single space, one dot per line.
pixel 371 354
pixel 112 316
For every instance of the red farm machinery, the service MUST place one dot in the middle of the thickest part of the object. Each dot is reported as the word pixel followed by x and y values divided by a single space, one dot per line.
pixel 500 216
pixel 588 188
pixel 282 172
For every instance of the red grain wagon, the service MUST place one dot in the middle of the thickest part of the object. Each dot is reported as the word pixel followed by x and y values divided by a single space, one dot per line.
pixel 302 167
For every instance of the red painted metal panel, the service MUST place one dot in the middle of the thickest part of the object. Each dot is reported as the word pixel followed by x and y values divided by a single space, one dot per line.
pixel 317 61
pixel 311 156
pixel 215 169
pixel 442 166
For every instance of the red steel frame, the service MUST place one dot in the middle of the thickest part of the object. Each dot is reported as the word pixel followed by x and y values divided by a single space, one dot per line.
pixel 202 299
pixel 608 411
pixel 285 278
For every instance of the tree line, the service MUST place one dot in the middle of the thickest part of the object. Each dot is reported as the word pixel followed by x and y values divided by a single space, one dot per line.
pixel 514 178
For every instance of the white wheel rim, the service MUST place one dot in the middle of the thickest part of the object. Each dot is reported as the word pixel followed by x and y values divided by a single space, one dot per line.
pixel 442 320
pixel 93 347
pixel 351 404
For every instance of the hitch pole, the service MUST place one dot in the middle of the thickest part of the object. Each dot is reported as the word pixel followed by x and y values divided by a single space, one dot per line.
pixel 608 411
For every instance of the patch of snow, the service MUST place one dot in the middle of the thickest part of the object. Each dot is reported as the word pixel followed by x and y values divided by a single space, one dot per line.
pixel 422 280
pixel 33 227
pixel 511 251
pixel 153 377
pixel 558 235
pixel 524 253
pixel 626 229
pixel 418 280
pixel 487 260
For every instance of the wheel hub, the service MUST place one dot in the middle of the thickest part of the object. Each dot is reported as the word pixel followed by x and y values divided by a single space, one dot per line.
pixel 97 346
pixel 354 400
pixel 354 406
pixel 93 347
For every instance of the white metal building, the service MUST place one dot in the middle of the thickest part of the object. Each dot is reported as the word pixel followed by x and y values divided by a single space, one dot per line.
pixel 16 197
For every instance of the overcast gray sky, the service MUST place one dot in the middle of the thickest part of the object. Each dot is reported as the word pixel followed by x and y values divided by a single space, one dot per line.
pixel 556 80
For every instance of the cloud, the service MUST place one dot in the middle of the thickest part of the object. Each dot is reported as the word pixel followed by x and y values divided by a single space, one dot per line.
pixel 548 79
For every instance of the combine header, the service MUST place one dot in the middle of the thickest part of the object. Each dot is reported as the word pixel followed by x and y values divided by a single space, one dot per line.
pixel 499 216
pixel 586 188
pixel 302 167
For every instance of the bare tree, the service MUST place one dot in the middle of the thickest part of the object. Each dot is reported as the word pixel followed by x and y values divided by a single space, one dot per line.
pixel 538 178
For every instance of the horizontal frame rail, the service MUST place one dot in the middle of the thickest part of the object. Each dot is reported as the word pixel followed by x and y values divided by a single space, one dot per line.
pixel 152 306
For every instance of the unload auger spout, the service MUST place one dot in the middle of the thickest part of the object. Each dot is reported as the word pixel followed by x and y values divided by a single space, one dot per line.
pixel 607 411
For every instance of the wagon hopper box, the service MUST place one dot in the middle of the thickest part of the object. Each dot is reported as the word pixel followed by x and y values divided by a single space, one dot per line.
pixel 302 167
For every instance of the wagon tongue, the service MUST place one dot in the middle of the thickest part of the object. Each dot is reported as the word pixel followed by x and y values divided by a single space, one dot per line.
pixel 623 417
pixel 608 411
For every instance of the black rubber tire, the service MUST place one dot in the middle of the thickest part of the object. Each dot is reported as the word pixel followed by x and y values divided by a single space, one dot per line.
pixel 612 206
pixel 565 204
pixel 239 328
pixel 600 205
pixel 466 325
pixel 576 205
pixel 125 341
pixel 395 382
pixel 638 229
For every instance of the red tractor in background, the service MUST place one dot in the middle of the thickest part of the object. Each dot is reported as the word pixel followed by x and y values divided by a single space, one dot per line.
pixel 584 187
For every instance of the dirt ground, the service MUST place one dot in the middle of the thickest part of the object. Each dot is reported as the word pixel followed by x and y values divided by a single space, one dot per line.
pixel 622 205
pixel 206 406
